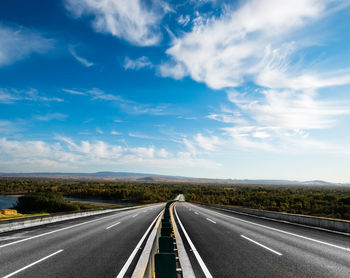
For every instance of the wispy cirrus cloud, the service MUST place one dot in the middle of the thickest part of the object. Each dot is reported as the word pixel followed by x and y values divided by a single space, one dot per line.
pixel 10 96
pixel 80 59
pixel 51 116
pixel 17 43
pixel 136 21
pixel 137 64
pixel 129 106
pixel 241 45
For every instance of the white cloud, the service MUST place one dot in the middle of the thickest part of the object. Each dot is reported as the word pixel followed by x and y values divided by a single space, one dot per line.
pixel 183 20
pixel 279 120
pixel 80 59
pixel 163 153
pixel 99 131
pixel 9 96
pixel 51 116
pixel 139 63
pixel 17 43
pixel 229 50
pixel 136 21
pixel 113 132
pixel 289 109
pixel 66 154
pixel 74 92
pixel 207 143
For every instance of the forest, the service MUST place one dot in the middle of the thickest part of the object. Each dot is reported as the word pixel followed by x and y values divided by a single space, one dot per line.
pixel 331 202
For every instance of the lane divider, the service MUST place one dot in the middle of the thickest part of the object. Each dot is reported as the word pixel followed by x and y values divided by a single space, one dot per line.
pixel 282 231
pixel 211 220
pixel 195 252
pixel 186 267
pixel 263 246
pixel 133 254
pixel 113 225
pixel 30 265
pixel 59 230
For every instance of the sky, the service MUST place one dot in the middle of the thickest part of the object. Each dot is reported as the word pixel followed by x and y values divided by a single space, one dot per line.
pixel 255 89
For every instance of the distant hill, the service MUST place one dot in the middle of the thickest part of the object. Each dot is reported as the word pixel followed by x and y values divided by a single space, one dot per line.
pixel 130 176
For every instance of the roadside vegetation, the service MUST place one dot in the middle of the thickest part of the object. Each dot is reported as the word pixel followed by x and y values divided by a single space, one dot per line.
pixel 47 202
pixel 333 202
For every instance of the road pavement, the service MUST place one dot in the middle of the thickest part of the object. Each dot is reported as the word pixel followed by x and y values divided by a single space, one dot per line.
pixel 226 244
pixel 97 246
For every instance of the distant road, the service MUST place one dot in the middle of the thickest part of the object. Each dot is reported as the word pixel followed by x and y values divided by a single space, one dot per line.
pixel 225 244
pixel 98 246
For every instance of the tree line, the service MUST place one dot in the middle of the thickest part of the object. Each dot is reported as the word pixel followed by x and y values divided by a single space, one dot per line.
pixel 331 202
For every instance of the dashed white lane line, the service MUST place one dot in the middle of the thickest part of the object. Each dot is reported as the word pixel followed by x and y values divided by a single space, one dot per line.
pixel 115 224
pixel 55 231
pixel 282 231
pixel 196 212
pixel 133 254
pixel 30 265
pixel 263 246
pixel 195 252
pixel 135 215
pixel 211 220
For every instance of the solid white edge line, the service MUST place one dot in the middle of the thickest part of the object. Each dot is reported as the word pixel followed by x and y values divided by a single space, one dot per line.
pixel 115 224
pixel 133 254
pixel 30 265
pixel 262 245
pixel 65 228
pixel 211 220
pixel 282 231
pixel 195 252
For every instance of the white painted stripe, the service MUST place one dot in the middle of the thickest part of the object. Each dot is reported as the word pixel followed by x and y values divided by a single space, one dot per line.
pixel 195 252
pixel 263 246
pixel 196 212
pixel 211 220
pixel 133 254
pixel 135 215
pixel 30 265
pixel 62 229
pixel 115 224
pixel 284 232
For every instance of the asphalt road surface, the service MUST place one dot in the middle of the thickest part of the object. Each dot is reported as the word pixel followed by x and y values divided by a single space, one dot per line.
pixel 97 246
pixel 225 244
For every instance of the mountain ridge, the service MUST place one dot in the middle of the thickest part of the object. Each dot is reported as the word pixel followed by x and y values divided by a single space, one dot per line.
pixel 146 177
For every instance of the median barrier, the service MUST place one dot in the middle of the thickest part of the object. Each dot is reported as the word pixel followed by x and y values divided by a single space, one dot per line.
pixel 165 265
pixel 337 225
pixel 161 257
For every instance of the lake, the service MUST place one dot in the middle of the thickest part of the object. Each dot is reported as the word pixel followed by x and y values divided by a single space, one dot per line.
pixel 7 201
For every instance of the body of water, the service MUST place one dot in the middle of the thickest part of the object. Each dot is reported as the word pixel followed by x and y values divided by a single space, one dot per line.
pixel 7 201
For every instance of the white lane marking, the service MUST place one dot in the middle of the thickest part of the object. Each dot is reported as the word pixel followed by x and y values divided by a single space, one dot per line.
pixel 133 254
pixel 284 232
pixel 30 265
pixel 115 224
pixel 10 237
pixel 195 252
pixel 211 220
pixel 263 246
pixel 196 212
pixel 62 229
pixel 135 215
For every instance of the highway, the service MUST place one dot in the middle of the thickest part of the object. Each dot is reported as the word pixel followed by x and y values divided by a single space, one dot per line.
pixel 97 246
pixel 226 244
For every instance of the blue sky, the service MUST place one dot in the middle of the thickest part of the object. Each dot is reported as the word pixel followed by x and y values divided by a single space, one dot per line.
pixel 253 89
